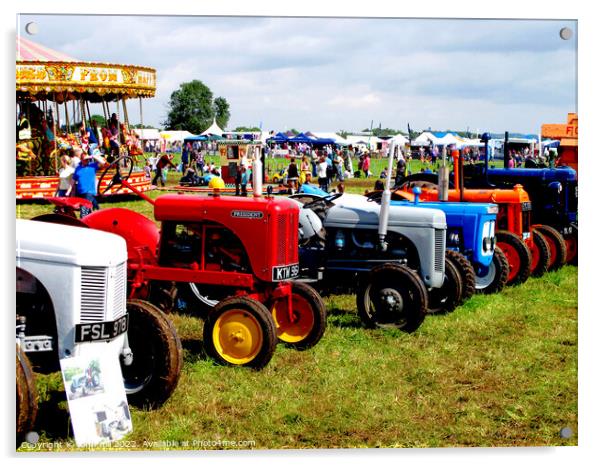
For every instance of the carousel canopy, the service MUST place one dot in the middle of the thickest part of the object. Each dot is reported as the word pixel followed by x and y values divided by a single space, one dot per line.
pixel 45 74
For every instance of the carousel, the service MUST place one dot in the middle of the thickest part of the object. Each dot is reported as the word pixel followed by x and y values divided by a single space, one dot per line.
pixel 54 95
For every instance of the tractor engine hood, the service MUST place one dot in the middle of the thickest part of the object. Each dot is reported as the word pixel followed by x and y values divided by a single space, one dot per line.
pixel 354 209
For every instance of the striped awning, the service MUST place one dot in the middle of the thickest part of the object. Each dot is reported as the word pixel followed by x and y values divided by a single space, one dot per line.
pixel 30 51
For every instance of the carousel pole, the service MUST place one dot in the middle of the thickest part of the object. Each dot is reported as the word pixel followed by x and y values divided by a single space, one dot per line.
pixel 83 112
pixel 74 113
pixel 67 116
pixel 141 118
pixel 89 114
pixel 125 112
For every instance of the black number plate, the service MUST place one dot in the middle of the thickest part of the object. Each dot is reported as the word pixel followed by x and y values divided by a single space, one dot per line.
pixel 285 272
pixel 101 331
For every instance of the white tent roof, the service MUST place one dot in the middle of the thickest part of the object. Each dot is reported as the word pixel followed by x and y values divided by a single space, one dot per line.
pixel 147 133
pixel 399 139
pixel 425 137
pixel 175 135
pixel 213 129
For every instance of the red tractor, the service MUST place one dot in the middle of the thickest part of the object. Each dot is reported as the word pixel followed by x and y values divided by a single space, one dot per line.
pixel 237 255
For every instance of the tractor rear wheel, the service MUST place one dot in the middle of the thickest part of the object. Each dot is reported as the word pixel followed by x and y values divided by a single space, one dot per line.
pixel 309 317
pixel 153 374
pixel 518 255
pixel 240 331
pixel 467 273
pixel 571 247
pixel 558 249
pixel 27 395
pixel 540 253
pixel 449 296
pixel 492 279
pixel 392 295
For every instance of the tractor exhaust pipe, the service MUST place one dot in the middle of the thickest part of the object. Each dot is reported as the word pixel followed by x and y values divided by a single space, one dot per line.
pixel 485 137
pixel 257 173
pixel 443 178
pixel 385 203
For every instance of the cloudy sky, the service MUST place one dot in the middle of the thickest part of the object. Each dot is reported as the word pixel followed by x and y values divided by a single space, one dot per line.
pixel 327 74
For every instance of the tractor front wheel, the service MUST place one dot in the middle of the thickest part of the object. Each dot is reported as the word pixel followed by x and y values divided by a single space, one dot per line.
pixel 518 255
pixel 492 279
pixel 540 253
pixel 466 272
pixel 449 296
pixel 240 331
pixel 27 395
pixel 308 324
pixel 153 374
pixel 558 249
pixel 392 295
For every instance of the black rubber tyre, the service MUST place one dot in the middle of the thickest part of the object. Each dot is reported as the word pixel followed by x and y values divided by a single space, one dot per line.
pixel 467 273
pixel 449 296
pixel 518 255
pixel 309 322
pixel 409 298
pixel 26 396
pixel 493 279
pixel 540 254
pixel 153 375
pixel 240 331
pixel 556 244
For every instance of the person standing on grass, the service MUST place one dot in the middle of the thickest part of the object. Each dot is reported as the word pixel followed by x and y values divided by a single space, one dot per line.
pixel 163 162
pixel 292 176
pixel 366 165
pixel 244 180
pixel 323 174
pixel 84 177
pixel 65 177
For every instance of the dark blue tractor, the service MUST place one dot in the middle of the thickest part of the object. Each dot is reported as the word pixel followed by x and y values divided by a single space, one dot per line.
pixel 553 194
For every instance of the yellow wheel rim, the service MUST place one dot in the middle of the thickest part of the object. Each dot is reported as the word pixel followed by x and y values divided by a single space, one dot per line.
pixel 237 336
pixel 302 323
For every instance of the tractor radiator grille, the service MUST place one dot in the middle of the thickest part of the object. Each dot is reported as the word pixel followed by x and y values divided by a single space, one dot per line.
pixel 280 239
pixel 103 293
pixel 118 288
pixel 439 250
pixel 93 294
pixel 292 245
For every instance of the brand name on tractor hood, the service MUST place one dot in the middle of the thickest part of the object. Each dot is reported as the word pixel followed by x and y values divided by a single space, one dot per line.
pixel 252 214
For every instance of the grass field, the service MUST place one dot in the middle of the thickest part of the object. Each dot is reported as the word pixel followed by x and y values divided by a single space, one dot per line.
pixel 500 370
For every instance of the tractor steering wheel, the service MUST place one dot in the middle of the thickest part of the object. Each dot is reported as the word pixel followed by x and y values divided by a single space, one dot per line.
pixel 325 200
pixel 123 169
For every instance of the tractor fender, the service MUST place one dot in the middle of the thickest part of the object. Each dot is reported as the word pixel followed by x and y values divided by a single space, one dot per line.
pixel 140 233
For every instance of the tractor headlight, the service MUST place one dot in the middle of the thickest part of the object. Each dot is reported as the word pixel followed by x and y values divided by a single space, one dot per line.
pixel 453 238
pixel 555 186
pixel 488 242
pixel 526 206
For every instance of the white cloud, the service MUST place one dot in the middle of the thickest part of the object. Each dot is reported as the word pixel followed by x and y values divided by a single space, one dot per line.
pixel 331 74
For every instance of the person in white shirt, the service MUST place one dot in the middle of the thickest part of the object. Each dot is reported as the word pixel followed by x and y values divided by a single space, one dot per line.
pixel 65 177
pixel 323 174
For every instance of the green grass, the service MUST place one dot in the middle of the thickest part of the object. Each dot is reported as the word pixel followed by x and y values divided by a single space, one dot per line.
pixel 500 370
